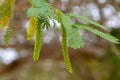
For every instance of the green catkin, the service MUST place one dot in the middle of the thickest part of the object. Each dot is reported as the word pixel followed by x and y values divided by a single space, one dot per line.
pixel 64 44
pixel 7 20
pixel 65 51
pixel 38 42
pixel 7 35
pixel 4 21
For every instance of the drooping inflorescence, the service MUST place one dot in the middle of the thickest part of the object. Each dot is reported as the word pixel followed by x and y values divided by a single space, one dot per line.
pixel 64 42
pixel 6 13
pixel 38 40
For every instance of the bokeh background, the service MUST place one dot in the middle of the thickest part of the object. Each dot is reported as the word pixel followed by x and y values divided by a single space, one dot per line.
pixel 97 60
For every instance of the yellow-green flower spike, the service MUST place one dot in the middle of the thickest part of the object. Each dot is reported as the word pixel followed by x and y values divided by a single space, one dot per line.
pixel 65 51
pixel 7 35
pixel 38 42
pixel 4 21
pixel 31 28
pixel 64 43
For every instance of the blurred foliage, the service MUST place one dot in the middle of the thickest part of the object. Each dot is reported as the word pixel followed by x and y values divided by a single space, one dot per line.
pixel 114 62
pixel 116 32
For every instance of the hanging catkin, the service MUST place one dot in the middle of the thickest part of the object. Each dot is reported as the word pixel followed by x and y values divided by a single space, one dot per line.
pixel 64 43
pixel 38 41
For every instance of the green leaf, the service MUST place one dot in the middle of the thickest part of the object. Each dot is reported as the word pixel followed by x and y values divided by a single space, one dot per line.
pixel 66 20
pixel 35 12
pixel 40 8
pixel 40 3
pixel 87 20
pixel 99 33
pixel 38 42
pixel 74 39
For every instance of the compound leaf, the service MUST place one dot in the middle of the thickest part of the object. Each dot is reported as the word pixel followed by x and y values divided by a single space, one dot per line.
pixel 87 20
pixel 99 33
pixel 74 39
